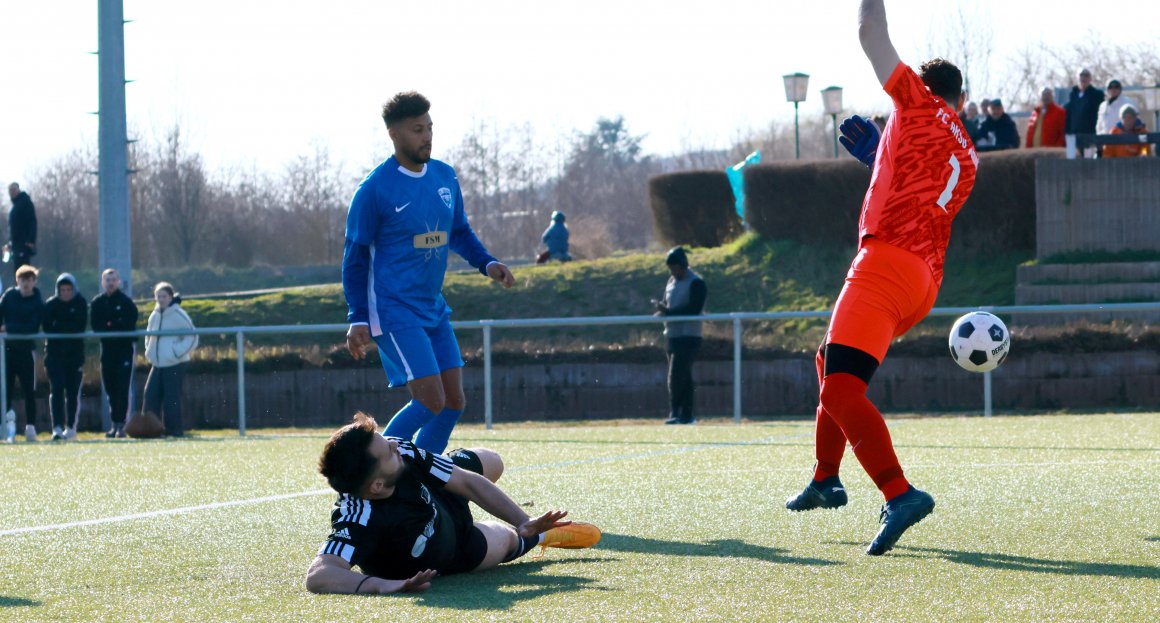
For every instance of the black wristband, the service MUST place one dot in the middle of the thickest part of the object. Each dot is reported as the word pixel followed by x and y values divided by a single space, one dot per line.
pixel 364 580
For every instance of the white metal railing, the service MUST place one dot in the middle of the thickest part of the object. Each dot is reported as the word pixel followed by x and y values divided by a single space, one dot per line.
pixel 487 326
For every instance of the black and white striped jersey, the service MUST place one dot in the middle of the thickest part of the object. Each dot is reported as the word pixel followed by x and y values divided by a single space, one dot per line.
pixel 417 528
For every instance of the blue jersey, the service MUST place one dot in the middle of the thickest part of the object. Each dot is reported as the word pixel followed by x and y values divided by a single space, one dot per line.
pixel 399 229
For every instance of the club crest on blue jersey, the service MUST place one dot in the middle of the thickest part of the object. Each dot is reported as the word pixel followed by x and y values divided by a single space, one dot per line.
pixel 445 195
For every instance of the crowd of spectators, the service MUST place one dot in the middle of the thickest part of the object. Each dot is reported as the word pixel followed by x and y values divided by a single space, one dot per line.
pixel 23 311
pixel 1088 110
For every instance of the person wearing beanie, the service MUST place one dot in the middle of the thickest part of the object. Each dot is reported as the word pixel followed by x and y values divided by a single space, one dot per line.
pixel 168 354
pixel 64 359
pixel 1109 111
pixel 685 295
pixel 20 311
pixel 555 237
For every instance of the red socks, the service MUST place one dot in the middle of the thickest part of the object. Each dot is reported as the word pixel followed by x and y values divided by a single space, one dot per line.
pixel 845 413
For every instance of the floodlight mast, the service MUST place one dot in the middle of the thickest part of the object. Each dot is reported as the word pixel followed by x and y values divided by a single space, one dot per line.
pixel 115 244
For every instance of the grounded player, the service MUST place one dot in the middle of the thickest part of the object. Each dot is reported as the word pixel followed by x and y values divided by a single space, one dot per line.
pixel 402 515
pixel 923 172
pixel 403 218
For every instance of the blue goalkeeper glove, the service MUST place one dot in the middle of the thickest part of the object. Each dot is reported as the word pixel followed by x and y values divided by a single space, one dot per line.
pixel 860 138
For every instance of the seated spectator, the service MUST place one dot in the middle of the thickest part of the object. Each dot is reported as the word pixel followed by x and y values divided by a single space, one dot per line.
pixel 1109 113
pixel 997 131
pixel 1129 123
pixel 971 119
pixel 1045 127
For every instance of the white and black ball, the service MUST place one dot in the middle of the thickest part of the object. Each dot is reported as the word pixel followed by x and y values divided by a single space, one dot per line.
pixel 979 342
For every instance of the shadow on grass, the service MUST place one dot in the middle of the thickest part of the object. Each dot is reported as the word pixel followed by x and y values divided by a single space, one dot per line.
pixel 719 548
pixel 17 602
pixel 1154 539
pixel 501 588
pixel 1039 565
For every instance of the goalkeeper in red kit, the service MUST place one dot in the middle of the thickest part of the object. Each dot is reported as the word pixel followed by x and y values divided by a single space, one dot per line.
pixel 923 170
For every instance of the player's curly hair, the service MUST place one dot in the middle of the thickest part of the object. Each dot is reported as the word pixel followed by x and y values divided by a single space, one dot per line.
pixel 346 461
pixel 943 78
pixel 404 106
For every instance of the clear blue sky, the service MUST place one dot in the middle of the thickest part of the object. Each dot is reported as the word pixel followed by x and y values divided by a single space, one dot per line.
pixel 255 83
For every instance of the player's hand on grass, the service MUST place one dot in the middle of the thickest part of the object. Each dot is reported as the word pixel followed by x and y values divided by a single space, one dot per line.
pixel 543 523
pixel 860 138
pixel 418 583
pixel 358 338
pixel 501 273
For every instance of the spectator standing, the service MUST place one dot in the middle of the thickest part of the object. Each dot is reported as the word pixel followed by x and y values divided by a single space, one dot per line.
pixel 1129 123
pixel 1046 125
pixel 1083 106
pixel 64 359
pixel 685 295
pixel 113 311
pixel 21 227
pixel 555 237
pixel 1109 113
pixel 972 119
pixel 20 313
pixel 168 354
pixel 998 130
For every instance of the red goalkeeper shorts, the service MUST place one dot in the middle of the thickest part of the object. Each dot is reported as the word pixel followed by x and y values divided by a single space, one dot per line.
pixel 888 291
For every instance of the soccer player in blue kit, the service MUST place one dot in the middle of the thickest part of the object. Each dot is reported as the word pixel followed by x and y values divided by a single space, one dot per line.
pixel 403 219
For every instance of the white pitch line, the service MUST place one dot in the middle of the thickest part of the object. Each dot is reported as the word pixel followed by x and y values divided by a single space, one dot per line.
pixel 162 513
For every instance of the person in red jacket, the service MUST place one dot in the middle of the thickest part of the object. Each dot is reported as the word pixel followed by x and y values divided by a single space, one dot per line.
pixel 1046 125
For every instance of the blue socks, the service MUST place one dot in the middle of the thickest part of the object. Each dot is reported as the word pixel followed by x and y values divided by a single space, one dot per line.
pixel 409 419
pixel 433 436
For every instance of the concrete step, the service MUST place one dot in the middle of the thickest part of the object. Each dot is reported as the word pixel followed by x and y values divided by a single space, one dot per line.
pixel 1107 272
pixel 1086 293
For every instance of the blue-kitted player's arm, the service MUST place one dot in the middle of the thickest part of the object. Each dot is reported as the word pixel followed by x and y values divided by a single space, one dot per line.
pixel 464 242
pixel 362 223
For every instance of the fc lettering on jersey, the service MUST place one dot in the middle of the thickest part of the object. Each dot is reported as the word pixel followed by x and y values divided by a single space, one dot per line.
pixel 431 240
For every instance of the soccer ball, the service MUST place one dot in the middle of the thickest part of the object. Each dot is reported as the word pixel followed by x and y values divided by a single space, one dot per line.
pixel 979 342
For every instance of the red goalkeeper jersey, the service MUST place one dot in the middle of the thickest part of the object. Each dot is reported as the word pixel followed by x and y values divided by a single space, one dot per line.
pixel 923 172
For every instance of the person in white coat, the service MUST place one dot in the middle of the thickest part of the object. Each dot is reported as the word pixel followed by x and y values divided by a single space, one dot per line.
pixel 169 355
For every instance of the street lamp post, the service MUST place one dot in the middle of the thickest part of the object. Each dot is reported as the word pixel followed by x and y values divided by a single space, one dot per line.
pixel 832 101
pixel 795 91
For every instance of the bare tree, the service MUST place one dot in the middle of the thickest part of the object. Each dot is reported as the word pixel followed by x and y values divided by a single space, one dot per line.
pixel 316 193
pixel 67 206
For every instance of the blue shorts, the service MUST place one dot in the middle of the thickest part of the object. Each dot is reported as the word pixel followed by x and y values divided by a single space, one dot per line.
pixel 417 352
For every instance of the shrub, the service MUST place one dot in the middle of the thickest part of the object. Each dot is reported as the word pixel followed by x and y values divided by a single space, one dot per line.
pixel 693 208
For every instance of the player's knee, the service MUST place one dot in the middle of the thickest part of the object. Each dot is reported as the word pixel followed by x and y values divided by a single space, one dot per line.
pixel 491 462
pixel 454 399
pixel 835 397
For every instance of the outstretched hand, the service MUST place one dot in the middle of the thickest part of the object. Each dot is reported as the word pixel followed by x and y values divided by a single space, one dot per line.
pixel 543 523
pixel 501 273
pixel 860 138
pixel 418 583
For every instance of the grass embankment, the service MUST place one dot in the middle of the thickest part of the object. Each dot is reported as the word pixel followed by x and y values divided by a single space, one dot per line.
pixel 750 274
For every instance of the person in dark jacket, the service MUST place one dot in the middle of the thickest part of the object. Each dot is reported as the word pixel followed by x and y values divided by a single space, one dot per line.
pixel 555 238
pixel 21 227
pixel 109 311
pixel 1083 105
pixel 64 359
pixel 20 312
pixel 997 130
pixel 685 295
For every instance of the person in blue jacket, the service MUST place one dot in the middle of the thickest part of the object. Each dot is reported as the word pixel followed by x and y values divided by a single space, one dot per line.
pixel 555 237
pixel 404 219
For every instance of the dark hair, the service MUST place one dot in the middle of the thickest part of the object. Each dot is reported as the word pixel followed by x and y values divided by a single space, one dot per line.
pixel 677 256
pixel 346 461
pixel 404 106
pixel 943 78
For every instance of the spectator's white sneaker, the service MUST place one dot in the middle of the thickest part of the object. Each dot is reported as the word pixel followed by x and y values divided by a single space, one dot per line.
pixel 10 427
pixel 30 433
pixel 70 434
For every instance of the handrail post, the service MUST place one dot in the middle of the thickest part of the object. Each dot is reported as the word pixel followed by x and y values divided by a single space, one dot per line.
pixel 241 346
pixel 487 415
pixel 737 370
pixel 987 394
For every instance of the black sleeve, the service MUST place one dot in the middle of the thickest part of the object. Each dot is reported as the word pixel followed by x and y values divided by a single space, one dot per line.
pixel 96 317
pixel 351 538
pixel 698 292
pixel 3 301
pixel 48 319
pixel 434 470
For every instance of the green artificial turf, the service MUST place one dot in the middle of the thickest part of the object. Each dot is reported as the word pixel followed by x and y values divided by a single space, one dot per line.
pixel 1039 518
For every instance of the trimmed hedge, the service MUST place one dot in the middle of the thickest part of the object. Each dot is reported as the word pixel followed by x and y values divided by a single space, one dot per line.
pixel 693 208
pixel 819 202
